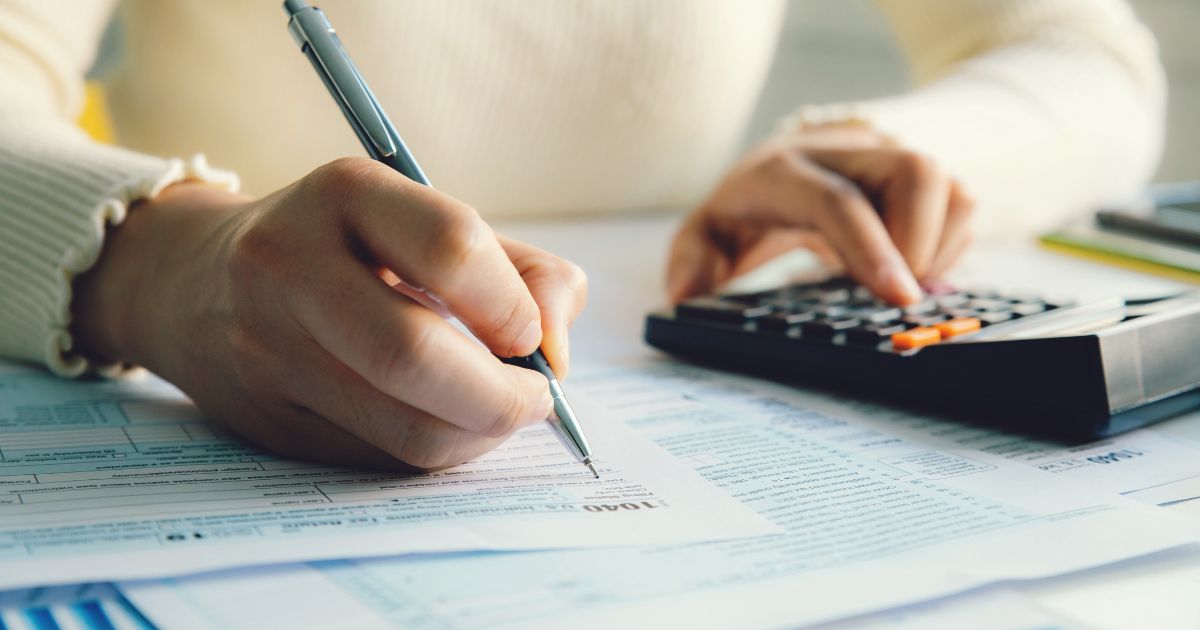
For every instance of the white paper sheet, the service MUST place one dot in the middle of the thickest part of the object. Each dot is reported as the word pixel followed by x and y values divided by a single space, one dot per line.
pixel 303 597
pixel 117 480
pixel 1150 465
pixel 877 515
pixel 989 609
pixel 1163 594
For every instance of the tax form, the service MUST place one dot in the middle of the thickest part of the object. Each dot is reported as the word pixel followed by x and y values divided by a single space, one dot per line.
pixel 877 514
pixel 122 479
pixel 1146 465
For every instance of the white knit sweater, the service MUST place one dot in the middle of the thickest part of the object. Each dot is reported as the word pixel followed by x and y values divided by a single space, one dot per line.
pixel 531 106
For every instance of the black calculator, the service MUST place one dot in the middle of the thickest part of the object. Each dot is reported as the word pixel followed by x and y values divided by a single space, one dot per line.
pixel 1055 368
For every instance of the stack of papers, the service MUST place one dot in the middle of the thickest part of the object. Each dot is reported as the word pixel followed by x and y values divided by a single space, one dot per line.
pixel 722 501
pixel 123 479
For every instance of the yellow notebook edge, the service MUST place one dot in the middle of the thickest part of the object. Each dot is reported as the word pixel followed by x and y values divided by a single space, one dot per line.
pixel 1102 255
pixel 94 118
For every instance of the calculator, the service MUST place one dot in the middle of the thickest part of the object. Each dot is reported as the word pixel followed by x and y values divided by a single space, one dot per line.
pixel 1020 361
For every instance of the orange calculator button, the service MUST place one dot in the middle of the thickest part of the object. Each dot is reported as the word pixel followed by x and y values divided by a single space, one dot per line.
pixel 916 338
pixel 958 326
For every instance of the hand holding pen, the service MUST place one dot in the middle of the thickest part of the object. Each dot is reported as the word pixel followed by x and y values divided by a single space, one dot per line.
pixel 275 315
pixel 320 44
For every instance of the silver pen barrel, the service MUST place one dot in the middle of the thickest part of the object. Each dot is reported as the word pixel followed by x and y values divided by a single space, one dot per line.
pixel 568 427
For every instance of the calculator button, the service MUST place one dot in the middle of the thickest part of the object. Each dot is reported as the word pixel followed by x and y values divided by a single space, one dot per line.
pixel 832 311
pixel 916 338
pixel 872 334
pixel 958 326
pixel 781 322
pixel 920 308
pixel 1024 310
pixel 777 303
pixel 827 328
pixel 921 321
pixel 982 304
pixel 987 319
pixel 879 315
pixel 807 293
pixel 954 300
pixel 863 294
pixel 1023 297
pixel 960 312
pixel 719 310
pixel 835 296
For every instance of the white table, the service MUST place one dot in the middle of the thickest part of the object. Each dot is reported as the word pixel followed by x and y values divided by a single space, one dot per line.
pixel 624 257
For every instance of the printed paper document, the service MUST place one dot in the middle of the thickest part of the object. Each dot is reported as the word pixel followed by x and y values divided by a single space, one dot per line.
pixel 119 479
pixel 878 513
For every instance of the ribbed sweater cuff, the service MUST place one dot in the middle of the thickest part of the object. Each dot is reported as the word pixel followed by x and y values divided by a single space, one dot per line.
pixel 59 192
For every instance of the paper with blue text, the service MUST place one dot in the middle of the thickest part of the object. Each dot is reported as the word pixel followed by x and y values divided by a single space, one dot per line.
pixel 121 479
pixel 878 511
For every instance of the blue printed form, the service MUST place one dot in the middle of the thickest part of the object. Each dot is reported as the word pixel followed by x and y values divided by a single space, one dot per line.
pixel 879 511
pixel 123 479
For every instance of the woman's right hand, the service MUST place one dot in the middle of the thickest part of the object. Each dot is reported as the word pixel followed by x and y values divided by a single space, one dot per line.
pixel 308 321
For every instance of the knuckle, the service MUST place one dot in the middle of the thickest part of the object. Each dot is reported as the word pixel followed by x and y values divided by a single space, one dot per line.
pixel 916 166
pixel 396 352
pixel 416 456
pixel 455 236
pixel 510 415
pixel 964 209
pixel 255 249
pixel 337 183
pixel 506 323
pixel 576 279
pixel 360 412
pixel 248 358
pixel 780 162
pixel 424 448
pixel 838 198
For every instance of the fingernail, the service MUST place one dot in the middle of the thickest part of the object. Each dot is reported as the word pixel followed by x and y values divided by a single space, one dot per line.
pixel 566 357
pixel 528 341
pixel 674 286
pixel 679 286
pixel 900 281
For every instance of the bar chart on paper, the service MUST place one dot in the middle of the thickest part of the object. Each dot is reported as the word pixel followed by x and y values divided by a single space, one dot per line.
pixel 82 606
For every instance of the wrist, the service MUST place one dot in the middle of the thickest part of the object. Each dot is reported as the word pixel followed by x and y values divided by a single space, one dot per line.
pixel 121 303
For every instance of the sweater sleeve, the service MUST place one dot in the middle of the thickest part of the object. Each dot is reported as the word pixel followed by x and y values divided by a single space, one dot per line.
pixel 59 191
pixel 1042 108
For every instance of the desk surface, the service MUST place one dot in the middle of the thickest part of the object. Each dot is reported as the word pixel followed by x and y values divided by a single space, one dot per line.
pixel 625 258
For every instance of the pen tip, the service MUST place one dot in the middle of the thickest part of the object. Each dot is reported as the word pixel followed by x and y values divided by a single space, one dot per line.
pixel 593 469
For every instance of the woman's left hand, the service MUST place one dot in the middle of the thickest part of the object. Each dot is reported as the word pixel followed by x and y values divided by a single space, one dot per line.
pixel 890 216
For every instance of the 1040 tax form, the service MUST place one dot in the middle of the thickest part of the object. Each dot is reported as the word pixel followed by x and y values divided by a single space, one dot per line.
pixel 877 512
pixel 121 479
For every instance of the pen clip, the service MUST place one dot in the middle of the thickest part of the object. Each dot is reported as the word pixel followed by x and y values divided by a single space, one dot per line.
pixel 316 38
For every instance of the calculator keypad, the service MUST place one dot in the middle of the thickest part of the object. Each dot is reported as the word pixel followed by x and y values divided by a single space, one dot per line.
pixel 839 311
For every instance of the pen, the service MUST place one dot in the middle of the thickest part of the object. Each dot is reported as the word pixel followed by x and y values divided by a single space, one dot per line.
pixel 318 41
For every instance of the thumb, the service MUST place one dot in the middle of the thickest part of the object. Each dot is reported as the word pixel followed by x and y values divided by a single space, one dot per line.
pixel 696 265
pixel 560 290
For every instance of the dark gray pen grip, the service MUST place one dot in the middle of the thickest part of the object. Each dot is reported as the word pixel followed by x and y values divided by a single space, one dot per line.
pixel 536 362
